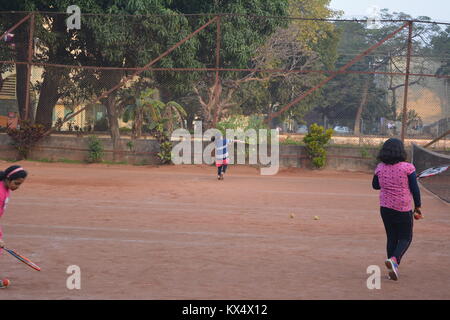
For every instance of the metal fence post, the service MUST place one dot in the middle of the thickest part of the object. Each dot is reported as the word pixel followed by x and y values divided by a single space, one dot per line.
pixel 405 97
pixel 29 66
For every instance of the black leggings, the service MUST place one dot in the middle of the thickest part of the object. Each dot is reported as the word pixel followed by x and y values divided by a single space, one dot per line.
pixel 221 169
pixel 399 231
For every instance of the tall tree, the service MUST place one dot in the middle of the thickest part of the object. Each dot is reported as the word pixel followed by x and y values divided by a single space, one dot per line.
pixel 241 36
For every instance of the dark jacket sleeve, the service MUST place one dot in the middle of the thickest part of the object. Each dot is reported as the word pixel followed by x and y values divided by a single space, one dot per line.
pixel 414 187
pixel 376 183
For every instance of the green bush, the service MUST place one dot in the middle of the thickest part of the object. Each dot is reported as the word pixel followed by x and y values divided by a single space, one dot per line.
pixel 165 154
pixel 290 141
pixel 315 141
pixel 240 122
pixel 95 150
pixel 158 130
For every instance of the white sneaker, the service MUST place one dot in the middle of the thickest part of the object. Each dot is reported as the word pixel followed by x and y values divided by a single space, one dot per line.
pixel 392 266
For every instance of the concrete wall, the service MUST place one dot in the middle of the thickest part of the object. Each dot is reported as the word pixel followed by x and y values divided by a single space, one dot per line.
pixel 144 152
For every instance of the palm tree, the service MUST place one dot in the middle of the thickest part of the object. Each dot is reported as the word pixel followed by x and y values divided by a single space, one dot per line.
pixel 146 110
pixel 174 113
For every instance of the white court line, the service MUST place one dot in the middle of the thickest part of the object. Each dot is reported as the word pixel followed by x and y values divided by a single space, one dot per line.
pixel 172 206
pixel 279 211
pixel 208 243
pixel 190 233
pixel 306 241
pixel 66 201
pixel 212 176
pixel 169 205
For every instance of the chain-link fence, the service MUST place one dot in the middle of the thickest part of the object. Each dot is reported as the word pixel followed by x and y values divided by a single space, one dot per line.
pixel 117 73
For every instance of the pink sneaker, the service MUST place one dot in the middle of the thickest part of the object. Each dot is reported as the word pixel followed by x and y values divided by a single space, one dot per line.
pixel 392 266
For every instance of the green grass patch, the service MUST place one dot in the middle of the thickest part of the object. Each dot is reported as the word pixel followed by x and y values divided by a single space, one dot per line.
pixel 41 160
pixel 114 162
pixel 291 142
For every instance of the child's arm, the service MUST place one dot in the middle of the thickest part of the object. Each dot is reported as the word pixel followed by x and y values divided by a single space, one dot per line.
pixel 2 244
pixel 376 182
pixel 414 187
pixel 234 140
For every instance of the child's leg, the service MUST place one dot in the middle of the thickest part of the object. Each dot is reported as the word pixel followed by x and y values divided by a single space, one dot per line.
pixel 224 167
pixel 391 232
pixel 404 226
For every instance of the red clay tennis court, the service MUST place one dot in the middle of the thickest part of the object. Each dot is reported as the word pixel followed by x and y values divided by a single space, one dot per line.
pixel 175 232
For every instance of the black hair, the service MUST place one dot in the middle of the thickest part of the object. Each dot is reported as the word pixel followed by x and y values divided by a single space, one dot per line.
pixel 15 175
pixel 392 152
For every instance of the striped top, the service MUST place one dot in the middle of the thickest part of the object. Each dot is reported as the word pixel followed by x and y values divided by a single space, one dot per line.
pixel 222 149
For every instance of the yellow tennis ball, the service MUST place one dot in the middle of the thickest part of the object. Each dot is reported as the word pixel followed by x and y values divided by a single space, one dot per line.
pixel 316 218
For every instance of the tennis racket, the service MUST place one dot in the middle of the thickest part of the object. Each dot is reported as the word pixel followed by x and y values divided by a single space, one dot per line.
pixel 23 259
pixel 432 171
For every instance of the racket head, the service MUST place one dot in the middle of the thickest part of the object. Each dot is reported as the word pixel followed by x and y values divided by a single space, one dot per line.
pixel 432 171
pixel 23 259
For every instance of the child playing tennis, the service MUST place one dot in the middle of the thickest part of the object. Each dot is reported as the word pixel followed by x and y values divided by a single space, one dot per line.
pixel 10 180
pixel 222 156
pixel 396 180
pixel 222 159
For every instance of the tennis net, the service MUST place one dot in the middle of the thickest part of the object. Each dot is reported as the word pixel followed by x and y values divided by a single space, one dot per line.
pixel 425 159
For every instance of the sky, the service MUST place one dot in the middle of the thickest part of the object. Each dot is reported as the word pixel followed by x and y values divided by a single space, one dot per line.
pixel 437 10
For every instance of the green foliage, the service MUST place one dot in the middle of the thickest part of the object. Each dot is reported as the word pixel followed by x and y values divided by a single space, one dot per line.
pixel 290 141
pixel 165 145
pixel 365 153
pixel 143 109
pixel 441 48
pixel 157 117
pixel 315 141
pixel 244 123
pixel 125 130
pixel 130 145
pixel 142 162
pixel 95 153
pixel 25 137
pixel 164 154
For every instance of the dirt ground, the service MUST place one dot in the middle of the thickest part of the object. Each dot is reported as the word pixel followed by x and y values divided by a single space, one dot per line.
pixel 176 232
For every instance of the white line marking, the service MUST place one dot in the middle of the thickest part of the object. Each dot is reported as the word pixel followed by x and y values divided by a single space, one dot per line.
pixel 41 201
pixel 191 233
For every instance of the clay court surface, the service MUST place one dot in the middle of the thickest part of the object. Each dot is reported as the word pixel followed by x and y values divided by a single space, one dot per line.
pixel 175 232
